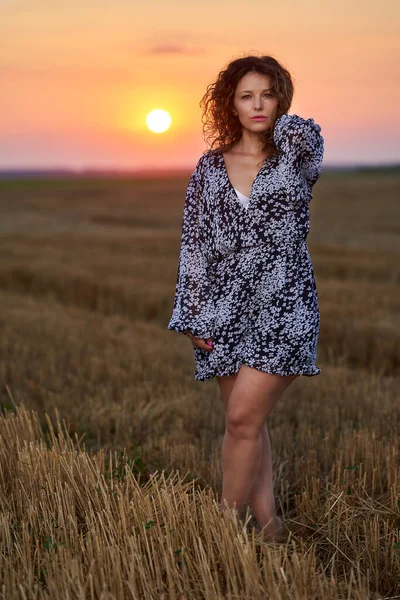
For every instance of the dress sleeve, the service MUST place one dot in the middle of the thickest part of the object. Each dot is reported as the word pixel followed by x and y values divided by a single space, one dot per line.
pixel 192 308
pixel 300 139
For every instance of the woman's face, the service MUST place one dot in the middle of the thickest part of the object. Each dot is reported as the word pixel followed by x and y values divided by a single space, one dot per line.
pixel 253 98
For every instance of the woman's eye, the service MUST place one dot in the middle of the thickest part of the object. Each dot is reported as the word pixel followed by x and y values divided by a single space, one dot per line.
pixel 248 96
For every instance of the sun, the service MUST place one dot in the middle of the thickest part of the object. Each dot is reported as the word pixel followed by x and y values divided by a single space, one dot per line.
pixel 158 121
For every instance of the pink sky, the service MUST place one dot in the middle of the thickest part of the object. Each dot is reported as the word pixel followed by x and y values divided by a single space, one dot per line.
pixel 78 78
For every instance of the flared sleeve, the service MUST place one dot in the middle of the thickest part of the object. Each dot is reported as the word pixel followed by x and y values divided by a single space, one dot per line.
pixel 192 308
pixel 301 141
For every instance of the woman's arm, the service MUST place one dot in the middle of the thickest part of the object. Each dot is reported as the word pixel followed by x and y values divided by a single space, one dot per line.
pixel 300 139
pixel 192 294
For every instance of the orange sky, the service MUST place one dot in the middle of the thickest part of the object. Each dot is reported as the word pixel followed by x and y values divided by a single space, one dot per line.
pixel 78 79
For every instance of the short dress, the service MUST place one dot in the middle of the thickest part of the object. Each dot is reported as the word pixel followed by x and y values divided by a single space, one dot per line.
pixel 245 276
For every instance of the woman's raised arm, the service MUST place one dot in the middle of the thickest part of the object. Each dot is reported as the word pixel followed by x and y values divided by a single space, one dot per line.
pixel 300 139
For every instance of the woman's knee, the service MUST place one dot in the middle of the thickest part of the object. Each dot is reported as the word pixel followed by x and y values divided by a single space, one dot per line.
pixel 240 423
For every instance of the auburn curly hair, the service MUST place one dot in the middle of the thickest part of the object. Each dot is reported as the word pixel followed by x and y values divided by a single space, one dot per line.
pixel 220 125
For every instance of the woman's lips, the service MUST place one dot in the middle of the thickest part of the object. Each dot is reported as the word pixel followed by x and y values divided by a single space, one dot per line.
pixel 258 118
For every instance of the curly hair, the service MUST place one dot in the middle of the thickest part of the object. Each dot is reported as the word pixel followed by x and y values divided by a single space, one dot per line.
pixel 220 125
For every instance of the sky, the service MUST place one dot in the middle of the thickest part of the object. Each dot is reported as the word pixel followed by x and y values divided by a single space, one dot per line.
pixel 78 78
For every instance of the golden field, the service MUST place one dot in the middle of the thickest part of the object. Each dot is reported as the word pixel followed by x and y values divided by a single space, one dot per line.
pixel 110 467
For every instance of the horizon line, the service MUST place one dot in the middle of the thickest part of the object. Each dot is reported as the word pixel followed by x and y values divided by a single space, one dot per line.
pixel 76 171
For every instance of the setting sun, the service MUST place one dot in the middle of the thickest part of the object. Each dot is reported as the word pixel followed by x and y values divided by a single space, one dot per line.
pixel 158 121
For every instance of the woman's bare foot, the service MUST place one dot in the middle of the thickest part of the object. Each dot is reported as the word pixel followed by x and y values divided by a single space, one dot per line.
pixel 274 530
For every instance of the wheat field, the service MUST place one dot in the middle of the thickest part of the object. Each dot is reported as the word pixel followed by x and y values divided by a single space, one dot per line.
pixel 110 466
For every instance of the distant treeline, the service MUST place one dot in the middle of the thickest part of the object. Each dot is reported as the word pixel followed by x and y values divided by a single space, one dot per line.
pixel 101 173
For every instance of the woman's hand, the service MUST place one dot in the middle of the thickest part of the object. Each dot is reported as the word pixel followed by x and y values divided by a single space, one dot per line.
pixel 200 342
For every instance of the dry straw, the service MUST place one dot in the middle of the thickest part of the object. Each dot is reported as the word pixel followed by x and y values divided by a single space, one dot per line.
pixel 71 528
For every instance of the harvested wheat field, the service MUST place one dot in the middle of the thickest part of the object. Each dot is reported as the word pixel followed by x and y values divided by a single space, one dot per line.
pixel 110 467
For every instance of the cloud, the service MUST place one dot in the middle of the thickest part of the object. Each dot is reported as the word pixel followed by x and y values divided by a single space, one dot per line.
pixel 174 49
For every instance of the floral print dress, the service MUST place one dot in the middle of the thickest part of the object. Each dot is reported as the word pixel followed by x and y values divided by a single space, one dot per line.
pixel 245 276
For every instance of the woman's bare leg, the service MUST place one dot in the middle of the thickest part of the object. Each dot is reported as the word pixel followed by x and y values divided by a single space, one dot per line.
pixel 255 462
pixel 261 496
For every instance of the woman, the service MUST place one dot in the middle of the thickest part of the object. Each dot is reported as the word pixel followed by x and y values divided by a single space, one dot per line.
pixel 245 292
